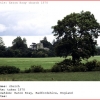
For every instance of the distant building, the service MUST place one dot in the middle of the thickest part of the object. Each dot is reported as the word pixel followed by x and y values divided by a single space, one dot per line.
pixel 38 46
pixel 33 46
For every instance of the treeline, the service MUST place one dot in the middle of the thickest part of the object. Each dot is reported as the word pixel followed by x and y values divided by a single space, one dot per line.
pixel 19 48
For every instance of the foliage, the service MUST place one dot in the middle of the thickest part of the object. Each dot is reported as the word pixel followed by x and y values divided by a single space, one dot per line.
pixel 77 68
pixel 93 65
pixel 97 68
pixel 56 68
pixel 77 32
pixel 10 53
pixel 55 44
pixel 42 53
pixel 1 42
pixel 19 49
pixel 46 44
pixel 62 66
pixel 68 66
pixel 2 50
pixel 9 70
pixel 19 43
pixel 36 69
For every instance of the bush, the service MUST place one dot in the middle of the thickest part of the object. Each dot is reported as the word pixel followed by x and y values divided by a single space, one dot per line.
pixel 56 68
pixel 91 65
pixel 68 66
pixel 37 68
pixel 97 68
pixel 9 70
pixel 78 68
pixel 62 66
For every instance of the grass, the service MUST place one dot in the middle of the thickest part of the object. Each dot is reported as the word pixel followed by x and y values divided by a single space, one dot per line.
pixel 23 63
pixel 46 63
pixel 71 76
pixel 92 58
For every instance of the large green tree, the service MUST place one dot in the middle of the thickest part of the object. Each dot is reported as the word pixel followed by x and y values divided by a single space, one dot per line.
pixel 19 43
pixel 77 32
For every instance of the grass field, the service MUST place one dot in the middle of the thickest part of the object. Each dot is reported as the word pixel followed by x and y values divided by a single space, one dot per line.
pixel 46 63
pixel 23 63
pixel 72 76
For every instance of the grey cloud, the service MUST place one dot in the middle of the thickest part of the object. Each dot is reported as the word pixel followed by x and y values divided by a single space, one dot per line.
pixel 2 28
pixel 24 24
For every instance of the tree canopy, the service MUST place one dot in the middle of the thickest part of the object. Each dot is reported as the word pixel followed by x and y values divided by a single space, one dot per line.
pixel 77 32
pixel 46 43
pixel 1 42
pixel 19 43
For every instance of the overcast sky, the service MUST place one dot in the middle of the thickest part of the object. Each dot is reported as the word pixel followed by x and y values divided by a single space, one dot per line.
pixel 34 21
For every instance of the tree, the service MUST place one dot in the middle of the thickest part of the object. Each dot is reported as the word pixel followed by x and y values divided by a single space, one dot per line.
pixel 19 43
pixel 1 42
pixel 46 43
pixel 77 32
pixel 45 38
pixel 2 48
pixel 9 53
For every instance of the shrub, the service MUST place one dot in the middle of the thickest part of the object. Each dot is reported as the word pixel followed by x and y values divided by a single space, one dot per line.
pixel 62 66
pixel 67 65
pixel 91 65
pixel 37 68
pixel 78 68
pixel 9 70
pixel 56 68
pixel 97 68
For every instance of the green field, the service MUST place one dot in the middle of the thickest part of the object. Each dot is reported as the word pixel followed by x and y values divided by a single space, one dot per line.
pixel 69 76
pixel 46 63
pixel 23 63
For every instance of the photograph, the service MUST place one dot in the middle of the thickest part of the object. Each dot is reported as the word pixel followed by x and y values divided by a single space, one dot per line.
pixel 49 40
